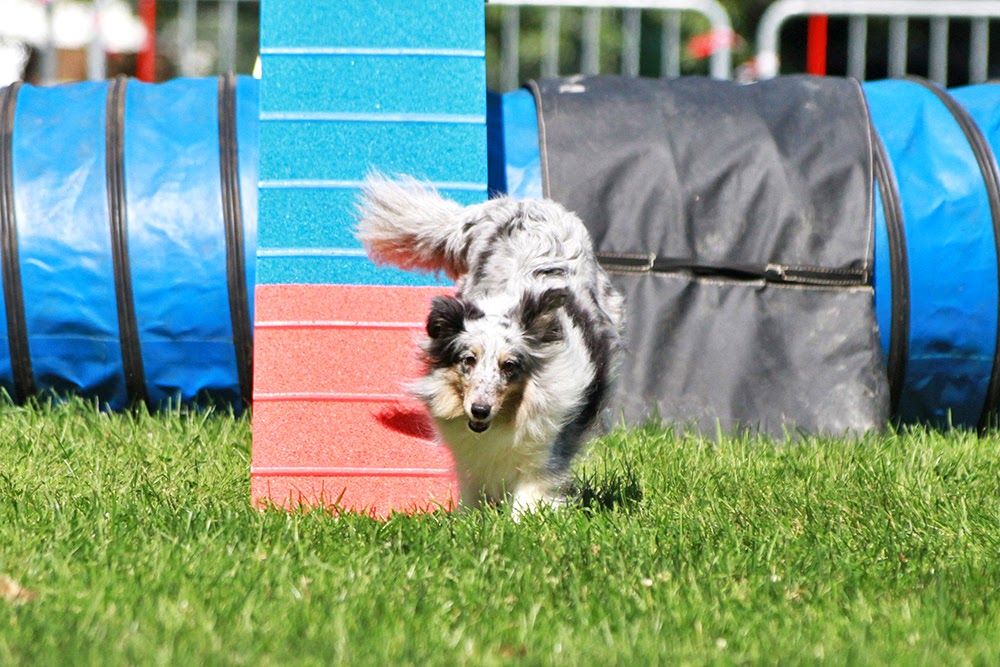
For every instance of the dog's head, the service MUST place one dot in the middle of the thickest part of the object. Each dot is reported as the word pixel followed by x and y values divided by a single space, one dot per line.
pixel 480 359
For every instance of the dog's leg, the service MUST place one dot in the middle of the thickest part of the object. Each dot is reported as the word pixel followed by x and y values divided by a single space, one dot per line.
pixel 531 496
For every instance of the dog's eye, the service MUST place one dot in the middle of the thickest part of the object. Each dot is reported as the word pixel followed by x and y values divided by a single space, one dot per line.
pixel 468 361
pixel 511 367
pixel 550 271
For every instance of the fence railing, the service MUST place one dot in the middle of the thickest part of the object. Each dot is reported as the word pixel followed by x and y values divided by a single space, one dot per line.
pixel 204 36
pixel 590 42
pixel 184 35
pixel 898 12
pixel 226 32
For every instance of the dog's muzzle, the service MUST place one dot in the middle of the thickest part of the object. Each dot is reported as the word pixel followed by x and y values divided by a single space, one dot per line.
pixel 478 426
pixel 479 417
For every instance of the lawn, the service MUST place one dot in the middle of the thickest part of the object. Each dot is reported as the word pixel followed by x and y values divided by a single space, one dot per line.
pixel 129 539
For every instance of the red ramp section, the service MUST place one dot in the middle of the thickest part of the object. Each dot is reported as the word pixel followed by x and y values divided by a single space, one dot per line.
pixel 332 424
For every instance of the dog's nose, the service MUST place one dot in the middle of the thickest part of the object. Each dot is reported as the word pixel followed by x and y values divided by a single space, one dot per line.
pixel 480 411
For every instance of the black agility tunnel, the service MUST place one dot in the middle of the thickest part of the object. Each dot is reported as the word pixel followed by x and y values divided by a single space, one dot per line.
pixel 715 155
pixel 128 229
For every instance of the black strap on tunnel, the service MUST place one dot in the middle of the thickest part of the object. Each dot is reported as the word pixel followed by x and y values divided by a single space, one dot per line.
pixel 13 292
pixel 899 270
pixel 991 177
pixel 232 213
pixel 779 274
pixel 128 330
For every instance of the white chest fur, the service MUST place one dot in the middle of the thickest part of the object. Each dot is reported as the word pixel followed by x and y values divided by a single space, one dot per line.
pixel 495 464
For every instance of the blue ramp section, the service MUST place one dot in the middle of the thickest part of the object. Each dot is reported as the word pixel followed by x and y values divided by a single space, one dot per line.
pixel 952 254
pixel 355 86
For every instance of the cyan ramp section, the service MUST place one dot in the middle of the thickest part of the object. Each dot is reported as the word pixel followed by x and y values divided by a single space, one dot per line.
pixel 352 25
pixel 356 85
pixel 348 88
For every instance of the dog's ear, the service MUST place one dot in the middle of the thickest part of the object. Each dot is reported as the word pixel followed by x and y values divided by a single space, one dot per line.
pixel 446 319
pixel 448 315
pixel 539 314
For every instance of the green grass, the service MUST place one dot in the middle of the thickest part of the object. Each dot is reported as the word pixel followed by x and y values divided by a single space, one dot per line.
pixel 137 539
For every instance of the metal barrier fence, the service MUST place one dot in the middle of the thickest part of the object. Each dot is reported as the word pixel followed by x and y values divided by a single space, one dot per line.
pixel 197 37
pixel 631 20
pixel 899 12
pixel 201 37
pixel 227 30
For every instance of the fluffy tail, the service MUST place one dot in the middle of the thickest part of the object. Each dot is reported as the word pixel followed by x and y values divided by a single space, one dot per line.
pixel 408 224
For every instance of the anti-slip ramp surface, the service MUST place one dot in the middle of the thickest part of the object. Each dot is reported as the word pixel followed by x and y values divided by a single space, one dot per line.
pixel 348 88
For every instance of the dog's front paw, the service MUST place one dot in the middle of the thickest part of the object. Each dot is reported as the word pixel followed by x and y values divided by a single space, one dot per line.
pixel 531 498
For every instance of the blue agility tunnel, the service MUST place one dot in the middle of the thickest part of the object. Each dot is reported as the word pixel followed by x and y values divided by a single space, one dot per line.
pixel 936 224
pixel 936 249
pixel 128 228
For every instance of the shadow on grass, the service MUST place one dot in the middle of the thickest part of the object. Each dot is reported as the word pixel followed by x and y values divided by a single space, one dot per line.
pixel 607 490
pixel 204 405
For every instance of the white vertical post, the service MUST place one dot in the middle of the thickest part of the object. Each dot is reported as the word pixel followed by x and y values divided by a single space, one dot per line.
pixel 857 46
pixel 227 35
pixel 898 27
pixel 96 59
pixel 938 68
pixel 670 45
pixel 979 48
pixel 550 57
pixel 631 36
pixel 590 62
pixel 187 35
pixel 510 39
pixel 49 56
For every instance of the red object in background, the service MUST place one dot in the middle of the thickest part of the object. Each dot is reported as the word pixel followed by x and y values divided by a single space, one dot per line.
pixel 145 66
pixel 703 45
pixel 816 45
pixel 332 424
